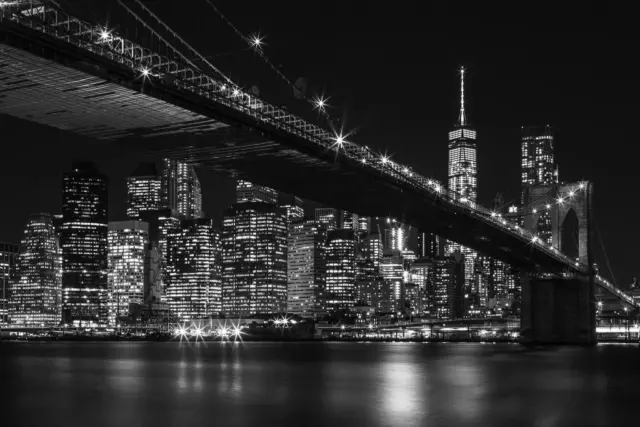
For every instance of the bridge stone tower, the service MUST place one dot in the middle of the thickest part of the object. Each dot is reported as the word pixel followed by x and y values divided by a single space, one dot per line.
pixel 559 310
pixel 547 208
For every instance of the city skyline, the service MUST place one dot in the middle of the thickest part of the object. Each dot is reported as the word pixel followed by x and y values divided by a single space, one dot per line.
pixel 556 96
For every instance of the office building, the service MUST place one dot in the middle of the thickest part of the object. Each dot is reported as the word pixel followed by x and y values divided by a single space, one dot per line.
pixel 463 178
pixel 143 190
pixel 254 259
pixel 180 190
pixel 328 217
pixel 8 259
pixel 341 270
pixel 83 239
pixel 128 244
pixel 294 208
pixel 538 169
pixel 36 291
pixel 247 192
pixel 193 288
pixel 429 245
pixel 445 287
pixel 306 269
pixel 161 223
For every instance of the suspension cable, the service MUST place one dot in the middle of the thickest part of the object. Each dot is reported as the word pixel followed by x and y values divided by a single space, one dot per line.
pixel 177 37
pixel 264 57
pixel 613 277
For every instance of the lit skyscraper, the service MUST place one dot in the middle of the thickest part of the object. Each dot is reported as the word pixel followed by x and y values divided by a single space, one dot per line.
pixel 392 270
pixel 444 287
pixel 8 258
pixel 429 245
pixel 538 169
pixel 328 217
pixel 143 190
pixel 181 189
pixel 161 223
pixel 396 236
pixel 247 192
pixel 306 269
pixel 463 177
pixel 341 270
pixel 36 292
pixel 84 245
pixel 294 208
pixel 463 166
pixel 254 259
pixel 193 288
pixel 351 221
pixel 126 260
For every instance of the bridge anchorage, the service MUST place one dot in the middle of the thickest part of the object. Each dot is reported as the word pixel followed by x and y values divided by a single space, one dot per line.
pixel 61 71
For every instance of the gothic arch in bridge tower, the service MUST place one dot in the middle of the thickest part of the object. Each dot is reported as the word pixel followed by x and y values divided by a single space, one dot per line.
pixel 544 209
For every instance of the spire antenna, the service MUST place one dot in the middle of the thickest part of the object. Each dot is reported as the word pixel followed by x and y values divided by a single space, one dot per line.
pixel 462 120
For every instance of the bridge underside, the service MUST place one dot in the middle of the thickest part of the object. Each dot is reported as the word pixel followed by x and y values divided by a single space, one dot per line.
pixel 56 84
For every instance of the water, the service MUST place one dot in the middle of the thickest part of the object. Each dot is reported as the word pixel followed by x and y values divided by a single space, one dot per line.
pixel 315 384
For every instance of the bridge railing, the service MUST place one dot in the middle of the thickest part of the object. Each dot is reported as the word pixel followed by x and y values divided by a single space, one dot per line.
pixel 147 64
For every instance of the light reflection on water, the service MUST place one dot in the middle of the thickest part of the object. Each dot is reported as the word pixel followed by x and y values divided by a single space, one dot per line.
pixel 294 384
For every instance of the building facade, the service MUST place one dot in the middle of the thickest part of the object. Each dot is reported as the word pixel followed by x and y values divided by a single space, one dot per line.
pixel 341 270
pixel 247 192
pixel 83 240
pixel 8 259
pixel 539 169
pixel 193 288
pixel 254 259
pixel 306 269
pixel 463 179
pixel 328 217
pixel 181 190
pixel 128 244
pixel 36 291
pixel 143 190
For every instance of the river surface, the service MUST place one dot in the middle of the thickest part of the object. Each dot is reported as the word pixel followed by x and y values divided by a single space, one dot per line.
pixel 316 384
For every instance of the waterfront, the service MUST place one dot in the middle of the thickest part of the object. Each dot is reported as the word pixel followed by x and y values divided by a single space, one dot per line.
pixel 308 384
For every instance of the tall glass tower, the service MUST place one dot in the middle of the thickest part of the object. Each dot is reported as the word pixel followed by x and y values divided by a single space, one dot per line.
pixel 193 270
pixel 84 246
pixel 126 260
pixel 143 190
pixel 254 259
pixel 538 170
pixel 463 179
pixel 181 190
pixel 463 165
pixel 37 290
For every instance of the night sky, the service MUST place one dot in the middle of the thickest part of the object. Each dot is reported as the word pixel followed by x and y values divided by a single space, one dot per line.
pixel 390 72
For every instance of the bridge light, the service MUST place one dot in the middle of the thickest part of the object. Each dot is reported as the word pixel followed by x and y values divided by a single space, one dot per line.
pixel 104 35
pixel 535 211
pixel 236 92
pixel 571 193
pixel 320 103
pixel 493 214
pixel 363 160
pixel 145 72
pixel 339 140
pixel 256 41
pixel 405 170
pixel 581 185
pixel 384 159
pixel 534 239
pixel 560 200
pixel 548 206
